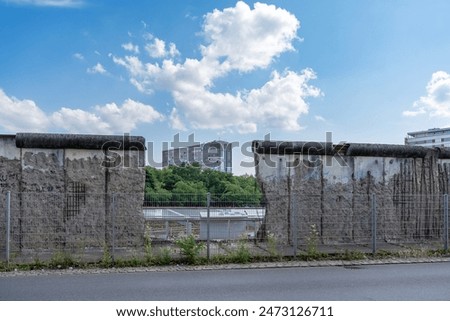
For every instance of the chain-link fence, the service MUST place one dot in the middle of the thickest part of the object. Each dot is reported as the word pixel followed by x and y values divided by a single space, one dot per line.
pixel 364 222
pixel 40 225
pixel 90 227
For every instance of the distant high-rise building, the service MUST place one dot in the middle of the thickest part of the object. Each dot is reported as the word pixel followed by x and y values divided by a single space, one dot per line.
pixel 215 155
pixel 435 137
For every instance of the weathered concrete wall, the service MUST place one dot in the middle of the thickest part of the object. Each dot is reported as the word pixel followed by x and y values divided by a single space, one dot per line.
pixel 331 187
pixel 9 164
pixel 61 189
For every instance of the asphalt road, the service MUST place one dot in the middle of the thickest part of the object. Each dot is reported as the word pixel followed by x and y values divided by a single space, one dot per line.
pixel 369 282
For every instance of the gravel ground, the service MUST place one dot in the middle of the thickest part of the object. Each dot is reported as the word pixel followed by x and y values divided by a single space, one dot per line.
pixel 259 265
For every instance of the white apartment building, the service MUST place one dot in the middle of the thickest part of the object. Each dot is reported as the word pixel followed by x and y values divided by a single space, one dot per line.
pixel 214 155
pixel 435 137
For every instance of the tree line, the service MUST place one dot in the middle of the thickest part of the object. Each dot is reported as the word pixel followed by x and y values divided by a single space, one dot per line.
pixel 188 185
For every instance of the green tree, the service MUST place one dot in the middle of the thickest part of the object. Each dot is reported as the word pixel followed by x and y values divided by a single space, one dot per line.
pixel 189 193
pixel 151 179
pixel 187 185
pixel 158 197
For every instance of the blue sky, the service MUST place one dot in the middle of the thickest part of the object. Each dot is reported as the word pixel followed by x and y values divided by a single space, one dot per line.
pixel 366 71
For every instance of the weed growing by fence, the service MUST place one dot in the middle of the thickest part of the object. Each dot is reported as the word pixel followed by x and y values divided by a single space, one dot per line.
pixel 61 260
pixel 352 255
pixel 242 253
pixel 164 257
pixel 190 249
pixel 107 260
pixel 272 245
pixel 312 241
pixel 149 256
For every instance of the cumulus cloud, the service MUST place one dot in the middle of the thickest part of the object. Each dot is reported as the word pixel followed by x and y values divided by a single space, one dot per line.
pixel 130 47
pixel 281 101
pixel 238 39
pixel 436 102
pixel 175 120
pixel 24 115
pixel 128 115
pixel 109 118
pixel 158 49
pixel 21 115
pixel 79 121
pixel 173 51
pixel 249 38
pixel 277 104
pixel 97 69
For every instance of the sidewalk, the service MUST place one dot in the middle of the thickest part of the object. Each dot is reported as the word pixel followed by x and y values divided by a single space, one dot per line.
pixel 259 265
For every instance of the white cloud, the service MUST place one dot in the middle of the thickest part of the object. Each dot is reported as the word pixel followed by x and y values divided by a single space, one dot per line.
pixel 436 103
pixel 157 49
pixel 248 38
pixel 126 117
pixel 130 47
pixel 79 121
pixel 97 69
pixel 175 120
pixel 78 56
pixel 106 119
pixel 281 101
pixel 277 104
pixel 24 115
pixel 21 115
pixel 49 3
pixel 238 39
pixel 132 63
pixel 173 51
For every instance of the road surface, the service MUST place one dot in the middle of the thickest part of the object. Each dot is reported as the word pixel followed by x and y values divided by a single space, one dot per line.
pixel 369 282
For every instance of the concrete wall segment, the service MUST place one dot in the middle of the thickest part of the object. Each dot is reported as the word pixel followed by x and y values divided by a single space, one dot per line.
pixel 61 190
pixel 335 195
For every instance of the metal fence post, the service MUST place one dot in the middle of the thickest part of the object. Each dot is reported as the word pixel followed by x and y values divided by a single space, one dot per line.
pixel 374 224
pixel 208 205
pixel 8 225
pixel 446 222
pixel 113 223
pixel 294 228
